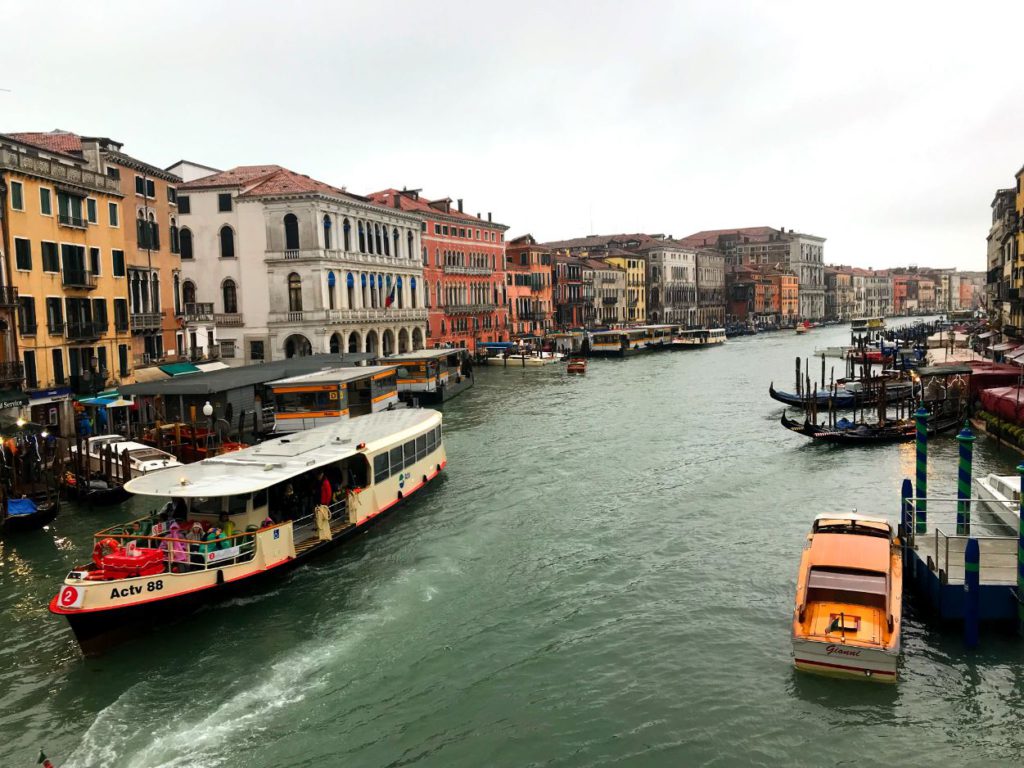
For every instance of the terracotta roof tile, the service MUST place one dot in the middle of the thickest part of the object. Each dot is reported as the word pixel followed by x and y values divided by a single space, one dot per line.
pixel 239 176
pixel 420 204
pixel 51 141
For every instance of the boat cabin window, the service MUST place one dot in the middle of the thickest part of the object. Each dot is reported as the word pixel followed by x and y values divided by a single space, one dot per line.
pixel 397 459
pixel 260 499
pixel 380 467
pixel 305 402
pixel 826 585
pixel 410 453
pixel 237 505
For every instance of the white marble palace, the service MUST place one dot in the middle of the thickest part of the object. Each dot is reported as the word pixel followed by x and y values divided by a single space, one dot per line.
pixel 275 264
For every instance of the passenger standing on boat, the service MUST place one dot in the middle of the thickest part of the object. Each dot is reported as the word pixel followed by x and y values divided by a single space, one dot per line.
pixel 326 492
pixel 227 525
pixel 289 504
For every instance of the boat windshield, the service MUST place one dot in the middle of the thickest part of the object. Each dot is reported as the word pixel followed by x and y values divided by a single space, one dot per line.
pixel 859 527
pixel 214 505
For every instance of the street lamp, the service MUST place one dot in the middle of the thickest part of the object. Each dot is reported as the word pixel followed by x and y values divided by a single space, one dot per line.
pixel 208 413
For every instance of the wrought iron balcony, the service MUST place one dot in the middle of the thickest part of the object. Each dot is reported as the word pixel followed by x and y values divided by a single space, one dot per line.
pixel 199 313
pixel 469 309
pixel 66 220
pixel 459 269
pixel 8 296
pixel 28 329
pixel 228 319
pixel 82 279
pixel 55 327
pixel 12 371
pixel 89 329
pixel 147 321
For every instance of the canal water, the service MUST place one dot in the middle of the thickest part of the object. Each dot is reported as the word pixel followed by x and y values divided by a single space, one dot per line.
pixel 604 577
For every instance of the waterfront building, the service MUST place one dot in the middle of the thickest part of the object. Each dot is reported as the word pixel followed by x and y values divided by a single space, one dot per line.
pixel 710 290
pixel 573 308
pixel 803 254
pixel 463 261
pixel 872 292
pixel 635 268
pixel 925 294
pixel 608 292
pixel 150 235
pixel 671 282
pixel 840 298
pixel 276 264
pixel 64 245
pixel 1002 288
pixel 528 278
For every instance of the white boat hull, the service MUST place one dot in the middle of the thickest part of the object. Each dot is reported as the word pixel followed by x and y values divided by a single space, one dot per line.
pixel 1005 510
pixel 517 360
pixel 836 659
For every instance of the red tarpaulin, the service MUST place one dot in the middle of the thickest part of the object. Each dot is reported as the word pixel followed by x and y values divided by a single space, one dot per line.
pixel 1005 402
pixel 987 375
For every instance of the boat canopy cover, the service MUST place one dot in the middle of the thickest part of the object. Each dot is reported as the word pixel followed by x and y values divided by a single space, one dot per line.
pixel 19 507
pixel 863 583
pixel 1005 402
pixel 843 550
pixel 261 466
pixel 944 370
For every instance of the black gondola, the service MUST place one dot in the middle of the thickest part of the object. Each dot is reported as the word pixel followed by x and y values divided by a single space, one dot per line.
pixel 29 500
pixel 843 400
pixel 27 514
pixel 848 433
pixel 95 491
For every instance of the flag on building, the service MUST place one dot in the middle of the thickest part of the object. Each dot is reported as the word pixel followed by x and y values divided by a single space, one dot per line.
pixel 391 296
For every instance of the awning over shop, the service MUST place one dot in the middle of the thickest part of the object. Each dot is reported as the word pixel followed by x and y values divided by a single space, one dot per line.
pixel 214 366
pixel 1015 354
pixel 1004 346
pixel 143 375
pixel 179 369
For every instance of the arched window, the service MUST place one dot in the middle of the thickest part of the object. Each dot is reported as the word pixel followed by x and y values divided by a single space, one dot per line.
pixel 294 292
pixel 227 242
pixel 425 257
pixel 398 292
pixel 154 232
pixel 408 248
pixel 330 290
pixel 175 236
pixel 291 232
pixel 412 291
pixel 185 236
pixel 327 231
pixel 346 229
pixel 398 243
pixel 230 297
pixel 362 238
pixel 376 232
pixel 438 294
pixel 387 244
pixel 350 287
pixel 188 293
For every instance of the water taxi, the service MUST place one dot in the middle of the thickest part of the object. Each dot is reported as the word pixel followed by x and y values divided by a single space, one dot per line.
pixel 577 364
pixel 433 375
pixel 141 458
pixel 313 399
pixel 803 327
pixel 849 599
pixel 507 353
pixel 232 522
pixel 698 339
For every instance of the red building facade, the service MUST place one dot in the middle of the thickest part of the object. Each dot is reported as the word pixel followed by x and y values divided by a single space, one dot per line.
pixel 463 270
pixel 529 280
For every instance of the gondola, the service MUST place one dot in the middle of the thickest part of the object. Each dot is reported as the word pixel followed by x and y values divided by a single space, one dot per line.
pixel 842 400
pixel 849 433
pixel 26 514
pixel 95 492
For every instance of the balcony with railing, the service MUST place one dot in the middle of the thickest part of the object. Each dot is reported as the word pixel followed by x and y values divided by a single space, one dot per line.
pixel 67 220
pixel 84 329
pixel 55 327
pixel 199 313
pixel 8 296
pixel 28 328
pixel 228 319
pixel 469 309
pixel 79 278
pixel 12 371
pixel 391 314
pixel 147 321
pixel 460 269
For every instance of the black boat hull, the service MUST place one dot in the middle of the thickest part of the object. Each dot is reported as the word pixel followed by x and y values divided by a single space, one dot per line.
pixel 43 516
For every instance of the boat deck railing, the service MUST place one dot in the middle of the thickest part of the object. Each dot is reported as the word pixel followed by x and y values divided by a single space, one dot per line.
pixel 941 541
pixel 181 554
pixel 304 528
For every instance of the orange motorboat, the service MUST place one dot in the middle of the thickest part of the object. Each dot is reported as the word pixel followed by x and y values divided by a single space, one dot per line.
pixel 849 599
pixel 577 365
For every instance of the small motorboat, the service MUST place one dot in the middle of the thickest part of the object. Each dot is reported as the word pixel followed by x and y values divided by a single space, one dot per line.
pixel 1001 497
pixel 577 365
pixel 803 327
pixel 846 622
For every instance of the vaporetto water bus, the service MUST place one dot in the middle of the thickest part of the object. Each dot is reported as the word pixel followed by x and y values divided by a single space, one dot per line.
pixel 631 341
pixel 232 522
pixel 698 338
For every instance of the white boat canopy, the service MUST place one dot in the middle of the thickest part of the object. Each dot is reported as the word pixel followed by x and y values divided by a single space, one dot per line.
pixel 264 465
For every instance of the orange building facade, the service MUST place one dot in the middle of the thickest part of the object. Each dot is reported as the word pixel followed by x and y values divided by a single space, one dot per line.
pixel 528 280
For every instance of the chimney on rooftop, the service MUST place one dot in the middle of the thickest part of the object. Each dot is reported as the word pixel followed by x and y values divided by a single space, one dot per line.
pixel 478 214
pixel 489 216
pixel 396 199
pixel 460 205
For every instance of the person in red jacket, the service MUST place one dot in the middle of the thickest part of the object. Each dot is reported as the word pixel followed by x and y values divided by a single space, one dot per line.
pixel 326 492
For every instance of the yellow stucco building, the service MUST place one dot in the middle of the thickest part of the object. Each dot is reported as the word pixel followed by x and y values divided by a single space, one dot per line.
pixel 636 287
pixel 64 244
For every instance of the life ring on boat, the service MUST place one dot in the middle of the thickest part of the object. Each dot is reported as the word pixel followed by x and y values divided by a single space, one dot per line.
pixel 97 551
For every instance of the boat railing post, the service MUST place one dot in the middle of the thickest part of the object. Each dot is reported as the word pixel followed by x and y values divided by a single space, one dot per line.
pixel 921 491
pixel 963 483
pixel 972 596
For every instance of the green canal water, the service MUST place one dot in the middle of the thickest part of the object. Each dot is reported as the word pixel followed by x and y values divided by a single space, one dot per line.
pixel 605 576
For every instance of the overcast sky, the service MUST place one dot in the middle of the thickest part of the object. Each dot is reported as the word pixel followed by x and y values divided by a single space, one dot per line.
pixel 886 131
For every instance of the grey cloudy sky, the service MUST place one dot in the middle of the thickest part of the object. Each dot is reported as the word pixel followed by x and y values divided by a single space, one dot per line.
pixel 885 127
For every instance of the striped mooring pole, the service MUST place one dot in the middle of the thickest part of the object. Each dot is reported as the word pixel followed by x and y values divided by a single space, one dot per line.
pixel 972 595
pixel 1020 556
pixel 963 482
pixel 906 510
pixel 921 418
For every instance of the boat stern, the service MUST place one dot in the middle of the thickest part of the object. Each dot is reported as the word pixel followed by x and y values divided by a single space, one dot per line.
pixel 843 660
